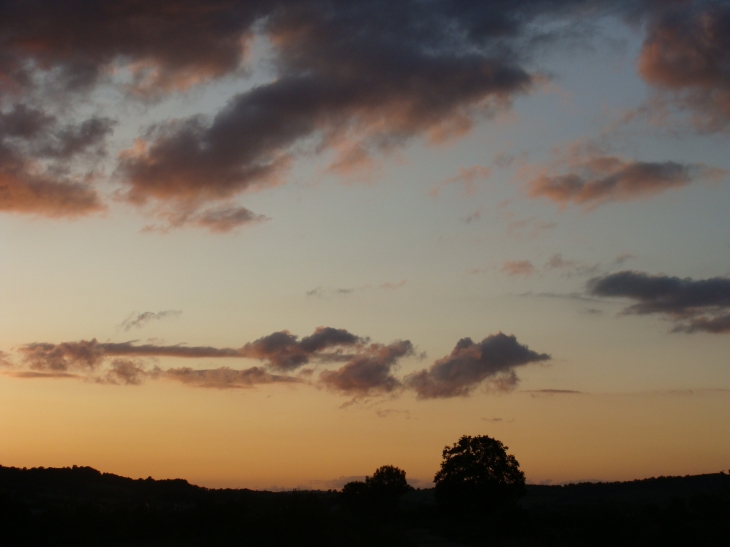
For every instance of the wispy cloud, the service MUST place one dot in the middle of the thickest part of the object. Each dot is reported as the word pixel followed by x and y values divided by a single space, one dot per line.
pixel 138 320
pixel 330 292
pixel 587 176
pixel 465 179
pixel 519 267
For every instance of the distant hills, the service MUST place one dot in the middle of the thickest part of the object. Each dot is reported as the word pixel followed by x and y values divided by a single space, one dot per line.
pixel 82 506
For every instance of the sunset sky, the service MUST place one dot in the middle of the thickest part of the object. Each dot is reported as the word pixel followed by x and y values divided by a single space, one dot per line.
pixel 278 244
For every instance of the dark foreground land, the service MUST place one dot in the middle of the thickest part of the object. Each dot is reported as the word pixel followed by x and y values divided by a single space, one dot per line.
pixel 81 506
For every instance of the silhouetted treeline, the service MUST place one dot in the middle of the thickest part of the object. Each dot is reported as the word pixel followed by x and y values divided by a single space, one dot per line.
pixel 81 506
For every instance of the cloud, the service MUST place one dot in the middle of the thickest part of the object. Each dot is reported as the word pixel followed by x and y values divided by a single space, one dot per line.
pixel 352 81
pixel 519 267
pixel 82 355
pixel 140 319
pixel 162 45
pixel 284 352
pixel 128 372
pixel 465 178
pixel 552 391
pixel 391 412
pixel 124 362
pixel 328 292
pixel 623 257
pixel 225 377
pixel 35 154
pixel 470 364
pixel 568 296
pixel 369 372
pixel 368 368
pixel 686 55
pixel 498 420
pixel 570 267
pixel 354 78
pixel 701 305
pixel 595 179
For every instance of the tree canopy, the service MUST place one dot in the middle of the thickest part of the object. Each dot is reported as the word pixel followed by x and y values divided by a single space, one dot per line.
pixel 380 493
pixel 477 473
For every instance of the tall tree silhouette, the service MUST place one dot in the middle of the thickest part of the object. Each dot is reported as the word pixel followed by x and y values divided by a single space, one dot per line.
pixel 477 474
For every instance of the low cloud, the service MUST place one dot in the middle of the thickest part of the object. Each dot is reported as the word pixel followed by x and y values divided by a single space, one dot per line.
pixel 694 305
pixel 285 352
pixel 370 371
pixel 138 320
pixel 470 364
pixel 128 372
pixel 225 377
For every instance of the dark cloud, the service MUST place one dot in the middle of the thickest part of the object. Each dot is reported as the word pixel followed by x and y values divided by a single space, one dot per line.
pixel 701 305
pixel 370 371
pixel 687 54
pixel 284 351
pixel 138 320
pixel 165 45
pixel 35 151
pixel 355 78
pixel 597 179
pixel 225 377
pixel 87 355
pixel 470 364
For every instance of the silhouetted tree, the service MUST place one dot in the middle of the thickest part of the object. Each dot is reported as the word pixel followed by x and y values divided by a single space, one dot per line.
pixel 355 497
pixel 477 474
pixel 386 487
pixel 379 494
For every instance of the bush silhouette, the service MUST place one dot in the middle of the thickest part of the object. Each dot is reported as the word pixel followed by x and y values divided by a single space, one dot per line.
pixel 477 474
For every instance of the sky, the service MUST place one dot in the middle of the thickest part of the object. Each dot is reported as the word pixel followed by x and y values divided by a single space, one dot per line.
pixel 276 244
